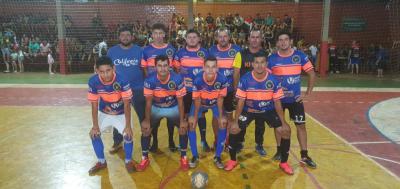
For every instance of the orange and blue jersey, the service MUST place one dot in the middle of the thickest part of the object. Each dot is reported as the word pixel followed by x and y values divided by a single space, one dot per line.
pixel 190 62
pixel 225 58
pixel 259 94
pixel 209 92
pixel 164 93
pixel 151 52
pixel 110 94
pixel 288 70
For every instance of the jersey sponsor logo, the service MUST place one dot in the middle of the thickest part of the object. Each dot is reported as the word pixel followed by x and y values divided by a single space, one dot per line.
pixel 172 85
pixel 263 104
pixel 116 86
pixel 296 59
pixel 232 52
pixel 126 62
pixel 242 118
pixel 293 80
pixel 196 71
pixel 269 85
pixel 147 84
pixel 228 72
pixel 201 54
pixel 217 85
pixel 169 52
pixel 116 105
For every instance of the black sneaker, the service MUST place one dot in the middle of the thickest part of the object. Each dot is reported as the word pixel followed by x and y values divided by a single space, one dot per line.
pixel 172 147
pixel 193 163
pixel 115 148
pixel 309 162
pixel 218 163
pixel 277 156
pixel 154 148
pixel 260 150
pixel 205 146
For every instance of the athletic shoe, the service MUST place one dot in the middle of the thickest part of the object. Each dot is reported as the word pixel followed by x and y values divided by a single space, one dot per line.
pixel 154 148
pixel 309 162
pixel 260 150
pixel 143 164
pixel 230 165
pixel 205 146
pixel 172 147
pixel 97 167
pixel 277 156
pixel 286 168
pixel 115 148
pixel 184 164
pixel 218 163
pixel 193 163
pixel 130 166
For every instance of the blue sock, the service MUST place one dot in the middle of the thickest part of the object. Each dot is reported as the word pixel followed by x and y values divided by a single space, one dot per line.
pixel 128 148
pixel 202 127
pixel 193 143
pixel 145 145
pixel 98 147
pixel 220 142
pixel 183 139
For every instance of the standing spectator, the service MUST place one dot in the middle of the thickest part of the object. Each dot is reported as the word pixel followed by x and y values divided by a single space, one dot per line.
pixel 381 60
pixel 5 51
pixel 44 48
pixel 50 61
pixel 371 54
pixel 333 61
pixel 314 50
pixel 238 21
pixel 269 20
pixel 210 22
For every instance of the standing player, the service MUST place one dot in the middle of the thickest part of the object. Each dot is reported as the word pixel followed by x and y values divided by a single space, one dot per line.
pixel 333 61
pixel 225 53
pixel 158 47
pixel 164 93
pixel 126 58
pixel 287 65
pixel 259 94
pixel 242 65
pixel 189 61
pixel 110 96
pixel 354 57
pixel 209 90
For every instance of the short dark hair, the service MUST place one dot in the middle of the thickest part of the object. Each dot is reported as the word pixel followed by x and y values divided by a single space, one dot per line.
pixel 210 58
pixel 161 58
pixel 193 31
pixel 124 29
pixel 284 32
pixel 159 26
pixel 260 54
pixel 104 60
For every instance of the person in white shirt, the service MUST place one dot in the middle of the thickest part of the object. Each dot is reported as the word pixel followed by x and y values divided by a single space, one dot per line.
pixel 50 61
pixel 314 51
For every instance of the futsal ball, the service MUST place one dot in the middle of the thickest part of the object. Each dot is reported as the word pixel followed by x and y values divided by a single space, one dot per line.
pixel 199 180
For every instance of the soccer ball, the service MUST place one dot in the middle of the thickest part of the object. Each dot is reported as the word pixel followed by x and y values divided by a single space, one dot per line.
pixel 199 180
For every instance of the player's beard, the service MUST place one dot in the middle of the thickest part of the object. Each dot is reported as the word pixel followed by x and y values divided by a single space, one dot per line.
pixel 126 44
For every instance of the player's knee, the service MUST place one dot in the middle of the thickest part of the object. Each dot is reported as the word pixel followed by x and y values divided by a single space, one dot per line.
pixel 301 127
pixel 182 131
pixel 128 139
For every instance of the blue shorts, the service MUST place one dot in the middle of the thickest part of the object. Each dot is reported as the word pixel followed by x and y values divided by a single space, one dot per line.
pixel 355 60
pixel 202 109
pixel 170 113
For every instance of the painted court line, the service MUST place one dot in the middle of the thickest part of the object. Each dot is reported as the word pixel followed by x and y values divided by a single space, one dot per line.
pixel 354 148
pixel 312 177
pixel 374 142
pixel 384 159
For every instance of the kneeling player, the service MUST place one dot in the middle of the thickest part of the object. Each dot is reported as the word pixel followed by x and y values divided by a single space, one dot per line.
pixel 209 90
pixel 164 93
pixel 259 95
pixel 114 94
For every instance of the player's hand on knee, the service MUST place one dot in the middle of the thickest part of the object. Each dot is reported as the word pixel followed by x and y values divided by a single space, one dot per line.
pixel 234 128
pixel 128 132
pixel 284 130
pixel 145 127
pixel 183 125
pixel 192 123
pixel 94 132
pixel 223 122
